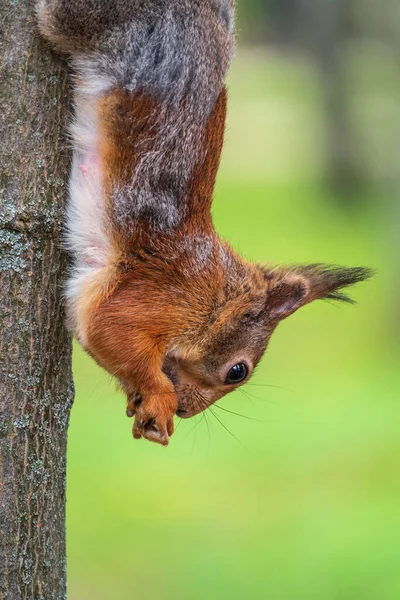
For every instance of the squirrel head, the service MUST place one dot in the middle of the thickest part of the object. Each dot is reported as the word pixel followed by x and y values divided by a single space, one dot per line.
pixel 199 333
pixel 206 364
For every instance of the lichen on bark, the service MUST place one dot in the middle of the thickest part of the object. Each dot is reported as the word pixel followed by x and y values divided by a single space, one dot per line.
pixel 36 390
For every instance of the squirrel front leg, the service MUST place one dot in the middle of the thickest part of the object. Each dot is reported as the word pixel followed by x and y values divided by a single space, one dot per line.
pixel 151 399
pixel 127 350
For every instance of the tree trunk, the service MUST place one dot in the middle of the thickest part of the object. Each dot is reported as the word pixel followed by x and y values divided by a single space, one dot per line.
pixel 36 389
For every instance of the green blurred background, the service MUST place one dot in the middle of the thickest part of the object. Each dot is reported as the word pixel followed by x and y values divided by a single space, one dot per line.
pixel 299 497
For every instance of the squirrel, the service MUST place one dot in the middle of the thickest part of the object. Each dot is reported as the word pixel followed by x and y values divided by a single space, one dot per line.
pixel 154 296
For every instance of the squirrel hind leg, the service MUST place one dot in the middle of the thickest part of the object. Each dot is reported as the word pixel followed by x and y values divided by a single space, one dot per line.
pixel 55 26
pixel 73 26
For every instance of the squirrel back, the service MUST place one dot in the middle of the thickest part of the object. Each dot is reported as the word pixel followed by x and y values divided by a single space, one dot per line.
pixel 154 296
pixel 150 109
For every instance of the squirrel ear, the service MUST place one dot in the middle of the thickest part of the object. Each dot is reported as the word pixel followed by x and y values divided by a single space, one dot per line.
pixel 291 288
pixel 286 296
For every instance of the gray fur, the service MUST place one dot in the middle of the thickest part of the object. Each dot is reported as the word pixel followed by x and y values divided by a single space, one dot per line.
pixel 177 51
pixel 158 190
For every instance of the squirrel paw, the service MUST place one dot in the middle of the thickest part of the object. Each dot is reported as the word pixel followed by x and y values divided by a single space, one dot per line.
pixel 154 419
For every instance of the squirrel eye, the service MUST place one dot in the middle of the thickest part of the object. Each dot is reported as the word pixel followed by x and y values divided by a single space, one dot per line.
pixel 237 374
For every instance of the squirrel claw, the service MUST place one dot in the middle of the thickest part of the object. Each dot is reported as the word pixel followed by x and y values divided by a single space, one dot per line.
pixel 154 435
pixel 134 402
pixel 151 431
pixel 155 429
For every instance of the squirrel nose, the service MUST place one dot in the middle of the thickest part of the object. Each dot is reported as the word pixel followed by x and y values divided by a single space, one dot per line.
pixel 182 413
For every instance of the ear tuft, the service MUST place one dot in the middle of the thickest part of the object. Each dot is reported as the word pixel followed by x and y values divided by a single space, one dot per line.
pixel 326 281
pixel 293 287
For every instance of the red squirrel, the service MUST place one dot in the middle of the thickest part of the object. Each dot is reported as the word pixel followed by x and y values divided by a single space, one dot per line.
pixel 153 295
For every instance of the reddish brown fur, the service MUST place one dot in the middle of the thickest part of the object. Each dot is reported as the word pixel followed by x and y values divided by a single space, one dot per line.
pixel 158 303
pixel 203 183
pixel 128 331
pixel 129 120
pixel 125 121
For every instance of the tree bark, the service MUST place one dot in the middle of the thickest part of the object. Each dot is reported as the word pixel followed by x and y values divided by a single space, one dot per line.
pixel 36 389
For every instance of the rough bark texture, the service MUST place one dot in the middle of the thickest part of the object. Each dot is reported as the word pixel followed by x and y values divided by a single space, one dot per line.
pixel 35 350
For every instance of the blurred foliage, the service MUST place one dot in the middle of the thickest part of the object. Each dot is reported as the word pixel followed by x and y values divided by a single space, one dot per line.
pixel 296 21
pixel 301 502
pixel 355 47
